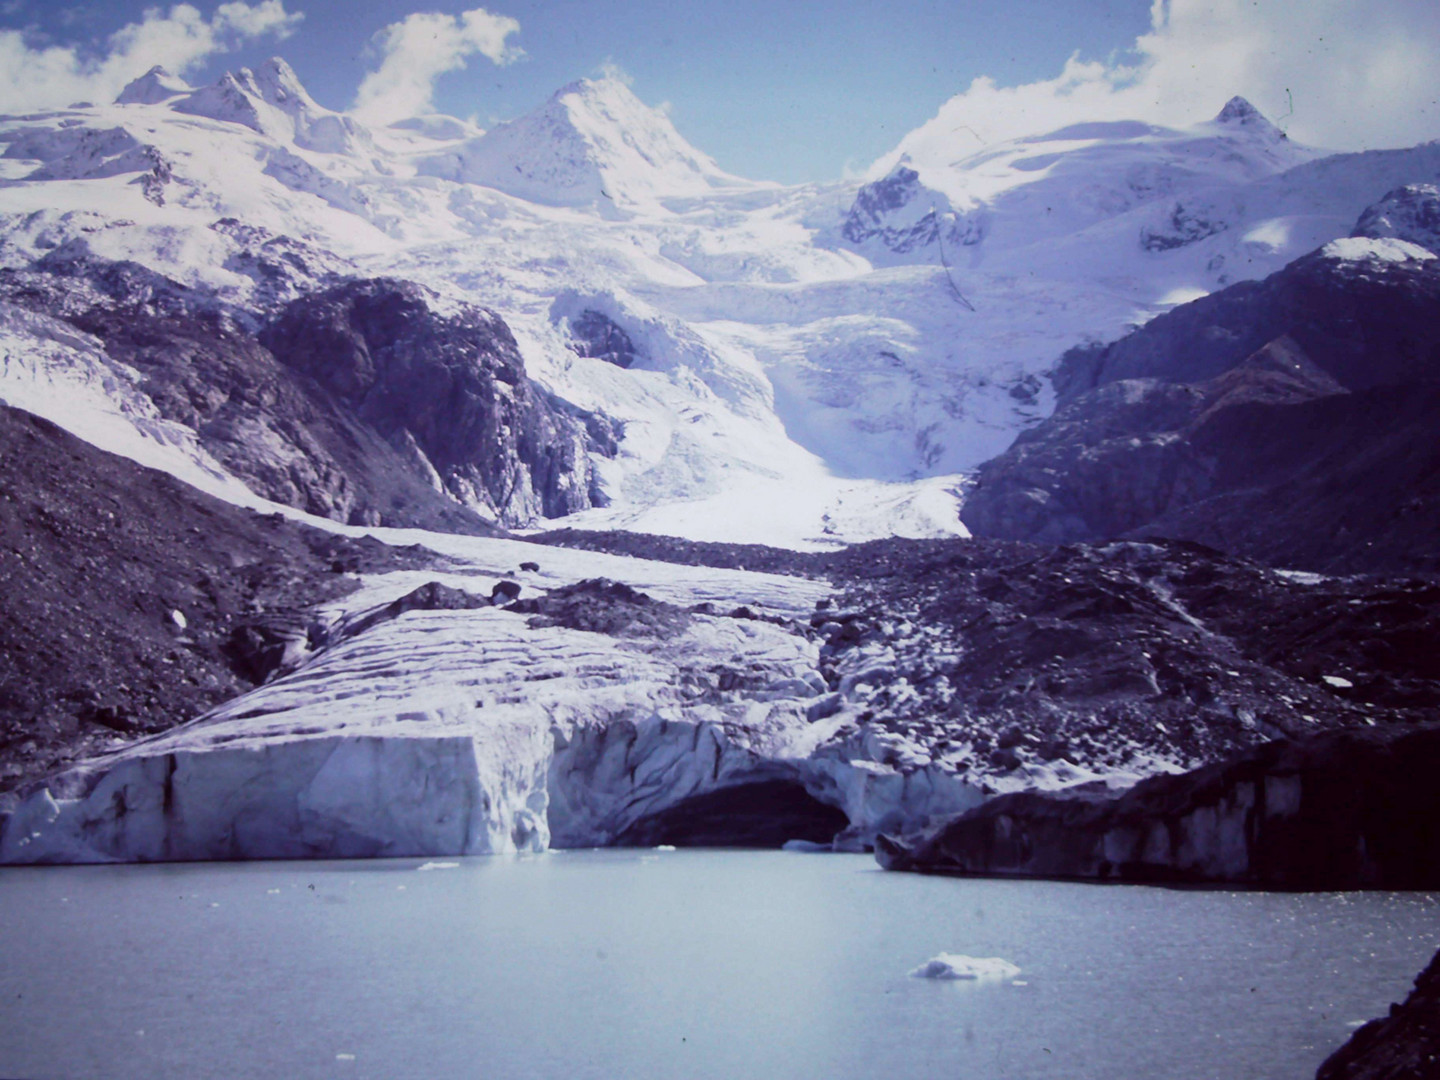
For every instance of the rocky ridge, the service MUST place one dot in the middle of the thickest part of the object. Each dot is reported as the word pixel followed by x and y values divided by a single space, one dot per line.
pixel 361 402
pixel 1286 420
pixel 1402 1046
pixel 1343 810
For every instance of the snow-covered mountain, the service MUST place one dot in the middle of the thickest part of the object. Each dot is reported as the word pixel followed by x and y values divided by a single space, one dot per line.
pixel 576 318
pixel 803 365
pixel 593 144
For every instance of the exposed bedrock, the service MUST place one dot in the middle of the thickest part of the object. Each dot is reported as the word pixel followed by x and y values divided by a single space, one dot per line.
pixel 1402 1046
pixel 1289 420
pixel 451 385
pixel 1343 810
pixel 369 401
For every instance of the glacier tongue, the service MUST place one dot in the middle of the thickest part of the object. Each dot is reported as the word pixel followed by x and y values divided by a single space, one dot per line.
pixel 446 732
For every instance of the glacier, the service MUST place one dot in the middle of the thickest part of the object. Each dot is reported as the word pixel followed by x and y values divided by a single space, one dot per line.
pixel 814 365
pixel 461 732
pixel 804 366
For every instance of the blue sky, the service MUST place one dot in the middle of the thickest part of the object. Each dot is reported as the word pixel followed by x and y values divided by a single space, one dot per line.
pixel 791 90
pixel 796 90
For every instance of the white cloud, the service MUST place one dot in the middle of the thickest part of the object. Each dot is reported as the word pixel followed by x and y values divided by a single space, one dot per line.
pixel 183 39
pixel 419 49
pixel 1332 73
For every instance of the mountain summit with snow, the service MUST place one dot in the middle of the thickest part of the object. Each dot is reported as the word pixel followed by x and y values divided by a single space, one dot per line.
pixel 272 101
pixel 155 86
pixel 594 143
pixel 803 366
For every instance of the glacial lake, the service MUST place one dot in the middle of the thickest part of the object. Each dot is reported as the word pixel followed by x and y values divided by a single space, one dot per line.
pixel 676 964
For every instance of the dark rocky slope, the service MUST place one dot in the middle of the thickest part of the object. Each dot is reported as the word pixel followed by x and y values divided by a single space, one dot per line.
pixel 1289 420
pixel 1402 1046
pixel 448 390
pixel 361 403
pixel 129 602
pixel 1342 810
pixel 1005 658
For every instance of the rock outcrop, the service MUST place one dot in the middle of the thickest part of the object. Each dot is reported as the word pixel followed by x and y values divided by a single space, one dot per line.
pixel 362 402
pixel 1410 213
pixel 1344 810
pixel 1402 1046
pixel 1287 420
pixel 449 390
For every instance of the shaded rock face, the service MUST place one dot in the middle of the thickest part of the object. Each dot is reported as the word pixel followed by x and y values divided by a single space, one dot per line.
pixel 127 599
pixel 358 404
pixel 597 336
pixel 1337 811
pixel 900 213
pixel 1408 213
pixel 1402 1046
pixel 1288 421
pixel 1364 323
pixel 450 389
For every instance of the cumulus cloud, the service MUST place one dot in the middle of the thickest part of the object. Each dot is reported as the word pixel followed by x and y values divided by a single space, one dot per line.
pixel 1332 73
pixel 37 77
pixel 419 49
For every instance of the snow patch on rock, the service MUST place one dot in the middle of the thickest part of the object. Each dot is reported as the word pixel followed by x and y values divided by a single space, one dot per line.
pixel 1371 249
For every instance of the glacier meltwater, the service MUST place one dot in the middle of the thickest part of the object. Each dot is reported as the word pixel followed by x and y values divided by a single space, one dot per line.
pixel 658 964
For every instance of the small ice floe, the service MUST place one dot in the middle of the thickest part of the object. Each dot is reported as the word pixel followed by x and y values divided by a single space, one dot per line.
pixel 344 1057
pixel 178 618
pixel 1338 681
pixel 438 866
pixel 808 846
pixel 664 847
pixel 969 968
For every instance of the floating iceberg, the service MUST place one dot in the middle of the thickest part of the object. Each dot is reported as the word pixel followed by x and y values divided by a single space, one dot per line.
pixel 971 968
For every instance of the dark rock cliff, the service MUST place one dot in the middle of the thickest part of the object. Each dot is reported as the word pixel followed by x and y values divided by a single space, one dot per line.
pixel 449 390
pixel 1402 1046
pixel 1289 420
pixel 1342 810
pixel 361 403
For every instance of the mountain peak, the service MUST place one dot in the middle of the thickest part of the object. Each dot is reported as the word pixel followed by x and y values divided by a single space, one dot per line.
pixel 272 101
pixel 1239 111
pixel 154 86
pixel 592 143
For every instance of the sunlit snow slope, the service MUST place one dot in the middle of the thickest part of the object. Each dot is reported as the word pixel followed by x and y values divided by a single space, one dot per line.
pixel 797 366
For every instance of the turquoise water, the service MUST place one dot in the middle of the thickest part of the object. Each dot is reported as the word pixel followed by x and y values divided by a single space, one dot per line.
pixel 611 964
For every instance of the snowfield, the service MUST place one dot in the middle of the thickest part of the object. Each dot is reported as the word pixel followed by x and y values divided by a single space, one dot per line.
pixel 809 365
